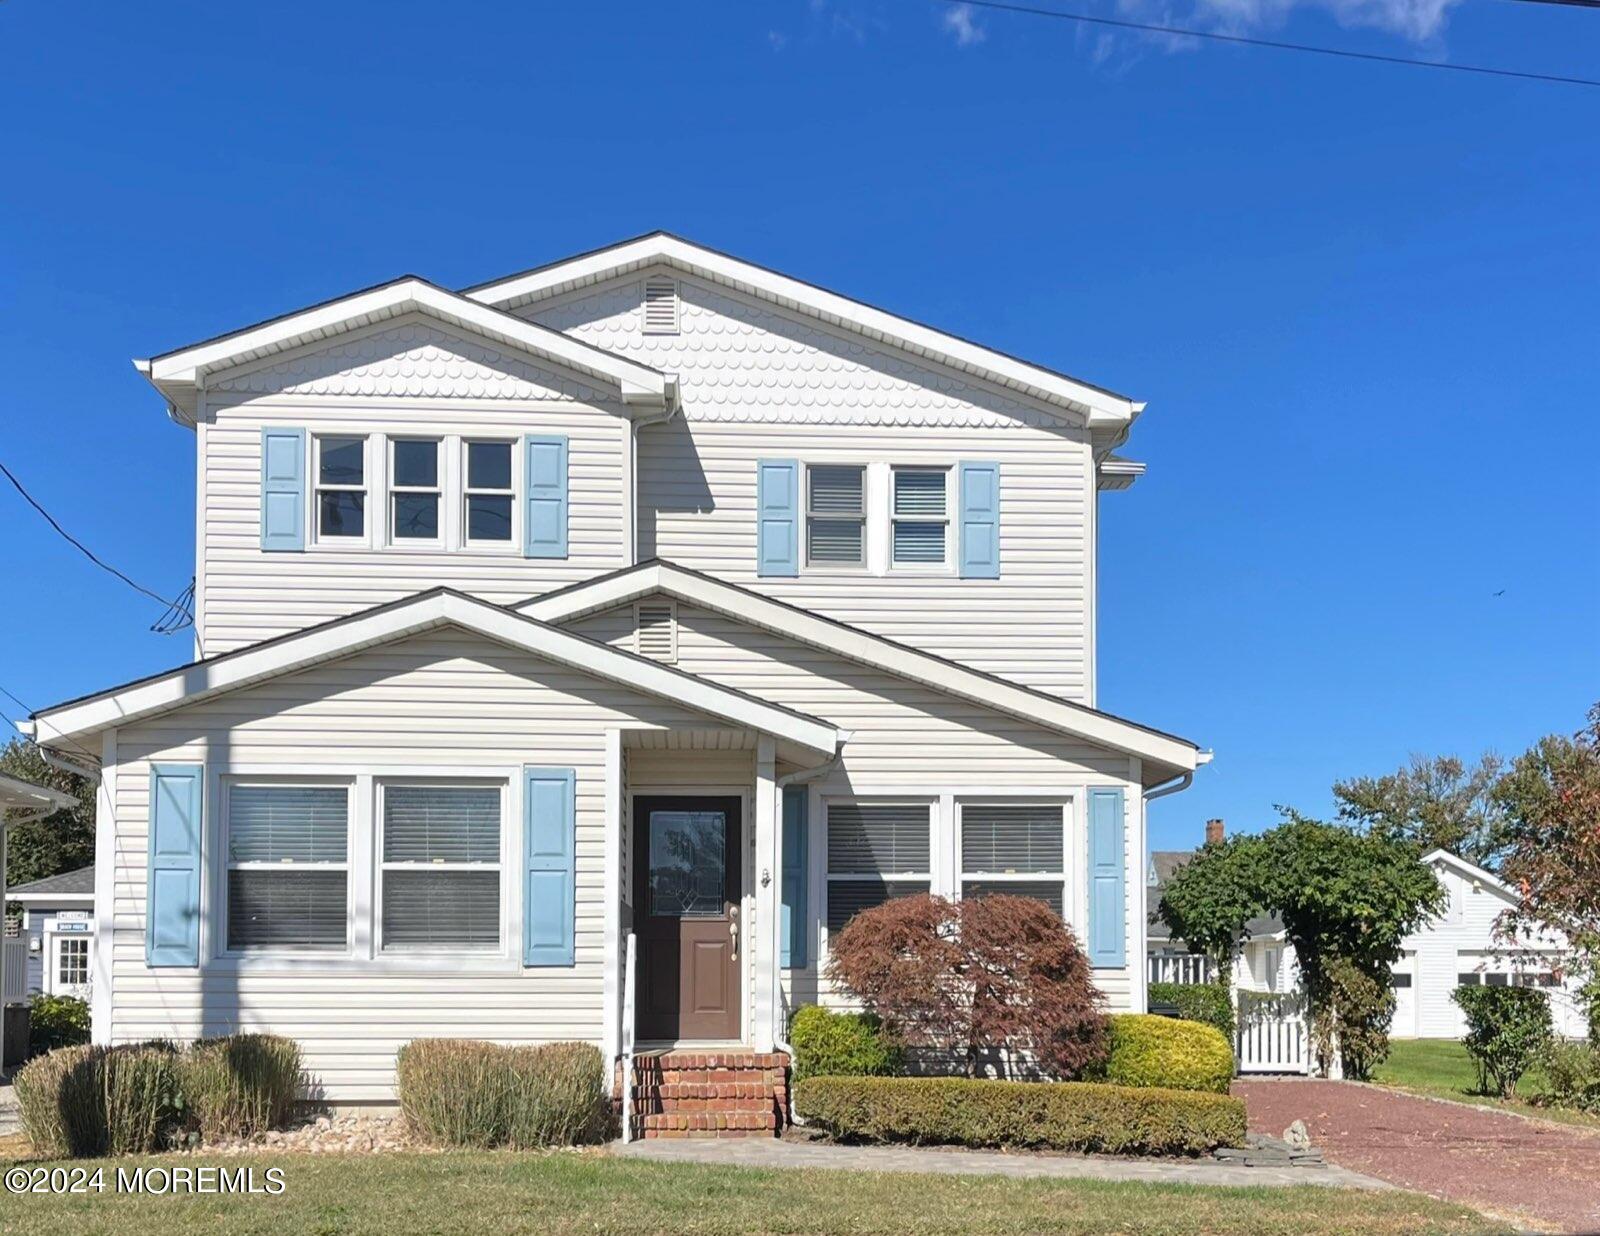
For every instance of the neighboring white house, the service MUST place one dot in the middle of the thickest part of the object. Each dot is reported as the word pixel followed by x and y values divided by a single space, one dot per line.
pixel 646 595
pixel 1459 946
pixel 21 802
pixel 57 928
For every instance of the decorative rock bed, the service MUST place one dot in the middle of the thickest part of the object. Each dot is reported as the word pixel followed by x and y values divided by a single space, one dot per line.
pixel 348 1134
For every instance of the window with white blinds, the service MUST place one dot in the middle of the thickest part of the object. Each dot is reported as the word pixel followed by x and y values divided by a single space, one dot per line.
pixel 440 869
pixel 876 851
pixel 921 517
pixel 836 515
pixel 1014 848
pixel 288 877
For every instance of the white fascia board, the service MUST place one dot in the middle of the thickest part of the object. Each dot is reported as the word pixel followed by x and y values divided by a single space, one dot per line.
pixel 76 899
pixel 866 649
pixel 232 671
pixel 1104 409
pixel 177 375
pixel 25 795
pixel 1471 870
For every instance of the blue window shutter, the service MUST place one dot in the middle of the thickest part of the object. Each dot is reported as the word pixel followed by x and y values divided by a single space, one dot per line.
pixel 778 517
pixel 544 505
pixel 172 895
pixel 980 520
pixel 549 847
pixel 795 861
pixel 283 489
pixel 1108 865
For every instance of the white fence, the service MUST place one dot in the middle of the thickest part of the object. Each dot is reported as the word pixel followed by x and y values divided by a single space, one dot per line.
pixel 1272 1036
pixel 1188 968
pixel 16 971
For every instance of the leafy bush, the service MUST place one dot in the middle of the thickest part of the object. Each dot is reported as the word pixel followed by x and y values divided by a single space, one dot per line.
pixel 990 974
pixel 84 1101
pixel 841 1044
pixel 1357 1010
pixel 1508 1028
pixel 1175 1055
pixel 56 1021
pixel 461 1092
pixel 1211 1003
pixel 1077 1116
pixel 241 1084
pixel 1572 1073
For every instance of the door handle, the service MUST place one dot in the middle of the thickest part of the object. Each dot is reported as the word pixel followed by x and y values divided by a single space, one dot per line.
pixel 733 931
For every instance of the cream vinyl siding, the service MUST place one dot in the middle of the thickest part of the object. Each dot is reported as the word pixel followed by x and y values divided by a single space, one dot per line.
pixel 760 382
pixel 439 700
pixel 442 387
pixel 910 741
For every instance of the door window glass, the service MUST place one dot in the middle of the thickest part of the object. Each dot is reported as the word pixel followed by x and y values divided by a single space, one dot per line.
pixel 688 863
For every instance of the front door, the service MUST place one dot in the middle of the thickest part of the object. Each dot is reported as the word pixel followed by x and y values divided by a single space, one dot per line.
pixel 686 890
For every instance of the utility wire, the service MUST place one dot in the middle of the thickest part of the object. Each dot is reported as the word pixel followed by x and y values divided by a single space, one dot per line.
pixel 35 739
pixel 1189 32
pixel 1576 4
pixel 174 609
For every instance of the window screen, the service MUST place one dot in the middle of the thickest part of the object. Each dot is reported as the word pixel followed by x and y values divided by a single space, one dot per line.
pixel 1014 848
pixel 441 867
pixel 288 876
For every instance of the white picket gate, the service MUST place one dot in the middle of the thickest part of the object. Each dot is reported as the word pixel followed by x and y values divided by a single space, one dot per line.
pixel 1272 1036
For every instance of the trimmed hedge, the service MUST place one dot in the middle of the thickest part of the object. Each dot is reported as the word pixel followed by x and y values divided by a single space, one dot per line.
pixel 840 1044
pixel 1211 1003
pixel 1079 1116
pixel 1159 1051
pixel 462 1092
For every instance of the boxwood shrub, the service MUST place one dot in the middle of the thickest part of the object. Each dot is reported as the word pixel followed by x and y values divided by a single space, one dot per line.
pixel 1211 1003
pixel 462 1092
pixel 1080 1116
pixel 1162 1051
pixel 833 1044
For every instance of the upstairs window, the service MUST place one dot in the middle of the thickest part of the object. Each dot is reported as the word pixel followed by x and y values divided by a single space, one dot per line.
pixel 490 495
pixel 341 489
pixel 414 489
pixel 441 867
pixel 919 536
pixel 1014 848
pixel 836 515
pixel 876 851
pixel 288 866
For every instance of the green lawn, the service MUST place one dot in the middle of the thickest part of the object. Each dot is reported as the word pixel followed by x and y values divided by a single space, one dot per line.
pixel 1442 1068
pixel 490 1194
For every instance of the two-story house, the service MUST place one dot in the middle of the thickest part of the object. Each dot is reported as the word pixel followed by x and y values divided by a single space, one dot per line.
pixel 649 596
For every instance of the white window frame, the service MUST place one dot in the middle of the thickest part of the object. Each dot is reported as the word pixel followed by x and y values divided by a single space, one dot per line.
pixel 469 491
pixel 829 876
pixel 865 517
pixel 1062 804
pixel 394 490
pixel 60 940
pixel 502 867
pixel 226 947
pixel 317 488
pixel 943 566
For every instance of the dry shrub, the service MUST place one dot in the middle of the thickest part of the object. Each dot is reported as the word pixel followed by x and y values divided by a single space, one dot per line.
pixel 461 1092
pixel 241 1084
pixel 79 1102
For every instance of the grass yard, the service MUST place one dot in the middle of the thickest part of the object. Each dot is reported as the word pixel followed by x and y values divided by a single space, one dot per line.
pixel 489 1194
pixel 1442 1068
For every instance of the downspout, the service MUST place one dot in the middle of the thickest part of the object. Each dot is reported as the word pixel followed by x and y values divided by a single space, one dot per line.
pixel 781 784
pixel 1175 786
pixel 674 406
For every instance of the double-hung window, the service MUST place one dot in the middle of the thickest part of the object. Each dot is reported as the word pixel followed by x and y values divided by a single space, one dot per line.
pixel 490 495
pixel 288 867
pixel 1015 848
pixel 341 468
pixel 836 515
pixel 441 867
pixel 876 851
pixel 414 489
pixel 920 518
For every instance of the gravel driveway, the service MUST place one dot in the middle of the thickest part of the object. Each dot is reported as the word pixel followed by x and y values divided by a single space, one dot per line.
pixel 1546 1175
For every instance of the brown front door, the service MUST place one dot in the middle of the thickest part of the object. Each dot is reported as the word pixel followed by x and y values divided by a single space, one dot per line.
pixel 686 889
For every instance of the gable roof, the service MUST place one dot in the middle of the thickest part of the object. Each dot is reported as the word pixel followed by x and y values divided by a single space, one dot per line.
pixel 1442 857
pixel 1099 406
pixel 180 374
pixel 67 886
pixel 1165 755
pixel 439 607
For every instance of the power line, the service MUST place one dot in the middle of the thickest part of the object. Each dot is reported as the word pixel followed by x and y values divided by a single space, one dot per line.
pixel 1576 4
pixel 1279 45
pixel 77 746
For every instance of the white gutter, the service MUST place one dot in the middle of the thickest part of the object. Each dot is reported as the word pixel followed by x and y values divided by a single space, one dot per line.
pixel 1177 785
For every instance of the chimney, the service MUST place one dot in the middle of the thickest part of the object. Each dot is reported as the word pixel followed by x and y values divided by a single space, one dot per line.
pixel 1213 832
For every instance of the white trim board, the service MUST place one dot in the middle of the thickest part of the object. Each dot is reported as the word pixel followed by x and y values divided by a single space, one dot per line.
pixel 1168 754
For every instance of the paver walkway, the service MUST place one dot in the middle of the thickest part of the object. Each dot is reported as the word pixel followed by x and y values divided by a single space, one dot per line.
pixel 1542 1173
pixel 771 1152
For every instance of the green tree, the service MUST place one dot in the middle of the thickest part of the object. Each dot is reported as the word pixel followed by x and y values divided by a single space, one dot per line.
pixel 1438 803
pixel 1551 797
pixel 60 842
pixel 1207 901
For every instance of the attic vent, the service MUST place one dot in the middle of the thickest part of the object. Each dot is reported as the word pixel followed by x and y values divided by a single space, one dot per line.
pixel 661 306
pixel 656 630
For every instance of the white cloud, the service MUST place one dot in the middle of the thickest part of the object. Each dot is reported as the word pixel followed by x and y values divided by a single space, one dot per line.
pixel 962 23
pixel 1419 21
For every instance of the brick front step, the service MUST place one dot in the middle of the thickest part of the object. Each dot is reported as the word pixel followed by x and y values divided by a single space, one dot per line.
pixel 712 1093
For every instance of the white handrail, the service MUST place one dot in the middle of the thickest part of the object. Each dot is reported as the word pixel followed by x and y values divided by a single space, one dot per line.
pixel 628 985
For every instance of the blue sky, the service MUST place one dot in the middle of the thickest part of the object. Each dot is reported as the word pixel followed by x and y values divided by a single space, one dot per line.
pixel 1360 300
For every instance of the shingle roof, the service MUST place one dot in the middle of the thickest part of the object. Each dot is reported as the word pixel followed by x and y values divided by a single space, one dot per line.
pixel 79 882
